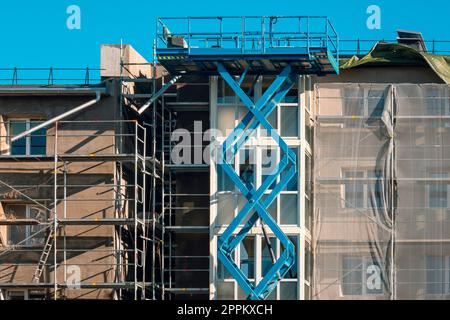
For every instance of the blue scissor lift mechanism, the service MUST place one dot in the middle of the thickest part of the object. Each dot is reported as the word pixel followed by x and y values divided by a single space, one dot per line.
pixel 234 47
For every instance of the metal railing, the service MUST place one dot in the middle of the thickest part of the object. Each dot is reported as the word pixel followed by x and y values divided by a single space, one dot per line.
pixel 252 34
pixel 363 46
pixel 49 76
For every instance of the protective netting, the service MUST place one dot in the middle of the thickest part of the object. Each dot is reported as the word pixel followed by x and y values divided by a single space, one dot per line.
pixel 382 197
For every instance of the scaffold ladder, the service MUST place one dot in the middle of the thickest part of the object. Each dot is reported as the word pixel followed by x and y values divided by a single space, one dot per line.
pixel 45 254
pixel 256 207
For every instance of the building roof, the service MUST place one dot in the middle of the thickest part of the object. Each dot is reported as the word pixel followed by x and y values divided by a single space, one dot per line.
pixel 390 54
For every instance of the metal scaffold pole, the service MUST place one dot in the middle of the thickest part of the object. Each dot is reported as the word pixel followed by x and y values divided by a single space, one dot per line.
pixel 162 242
pixel 55 215
pixel 136 195
pixel 144 211
pixel 393 218
pixel 153 214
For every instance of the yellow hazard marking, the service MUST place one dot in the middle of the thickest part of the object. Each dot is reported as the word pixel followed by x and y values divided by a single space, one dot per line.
pixel 171 57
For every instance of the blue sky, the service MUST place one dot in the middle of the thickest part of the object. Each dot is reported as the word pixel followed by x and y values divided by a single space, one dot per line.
pixel 34 32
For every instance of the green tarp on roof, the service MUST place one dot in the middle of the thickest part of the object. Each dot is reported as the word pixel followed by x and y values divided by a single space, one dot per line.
pixel 398 54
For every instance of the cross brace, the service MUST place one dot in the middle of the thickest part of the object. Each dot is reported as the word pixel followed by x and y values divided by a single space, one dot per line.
pixel 256 207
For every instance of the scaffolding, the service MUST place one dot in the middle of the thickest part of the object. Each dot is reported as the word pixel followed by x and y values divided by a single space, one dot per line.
pixel 187 271
pixel 87 165
pixel 381 208
pixel 135 91
pixel 155 99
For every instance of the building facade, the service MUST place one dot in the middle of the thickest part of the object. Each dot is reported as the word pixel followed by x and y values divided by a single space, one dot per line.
pixel 140 201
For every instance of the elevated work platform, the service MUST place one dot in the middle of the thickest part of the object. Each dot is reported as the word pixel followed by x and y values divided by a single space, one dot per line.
pixel 283 47
pixel 251 45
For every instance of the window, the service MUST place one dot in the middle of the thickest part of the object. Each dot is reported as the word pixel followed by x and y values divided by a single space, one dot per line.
pixel 289 209
pixel 438 274
pixel 36 295
pixel 354 189
pixel 361 276
pixel 33 144
pixel 436 101
pixel 288 290
pixel 224 183
pixel 437 191
pixel 225 291
pixel 272 118
pixel 293 272
pixel 272 209
pixel 292 185
pixel 309 129
pixel 266 259
pixel 19 234
pixel 375 103
pixel 289 121
pixel 224 92
pixel 225 119
pixel 308 263
pixel 291 96
pixel 25 295
pixel 363 189
pixel 309 215
pixel 226 95
pixel 269 161
pixel 368 103
pixel 247 166
pixel 222 272
pixel 16 295
pixel 226 202
pixel 308 192
pixel 435 274
pixel 248 257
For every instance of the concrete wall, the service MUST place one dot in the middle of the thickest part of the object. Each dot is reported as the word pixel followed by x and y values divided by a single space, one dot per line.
pixel 110 58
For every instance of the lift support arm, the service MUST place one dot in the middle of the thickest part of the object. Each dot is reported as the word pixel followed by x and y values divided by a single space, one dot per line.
pixel 286 170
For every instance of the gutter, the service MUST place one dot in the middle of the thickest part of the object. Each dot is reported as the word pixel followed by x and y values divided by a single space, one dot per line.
pixel 57 118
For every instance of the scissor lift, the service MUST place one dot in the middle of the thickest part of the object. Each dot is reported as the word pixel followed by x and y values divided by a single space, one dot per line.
pixel 284 47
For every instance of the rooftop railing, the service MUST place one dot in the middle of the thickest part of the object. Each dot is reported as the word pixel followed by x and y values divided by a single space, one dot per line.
pixel 49 76
pixel 363 46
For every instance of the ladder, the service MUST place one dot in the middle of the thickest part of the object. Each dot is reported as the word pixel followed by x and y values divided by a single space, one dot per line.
pixel 45 254
pixel 169 126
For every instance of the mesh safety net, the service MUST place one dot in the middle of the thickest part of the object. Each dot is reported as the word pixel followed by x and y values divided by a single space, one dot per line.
pixel 382 191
